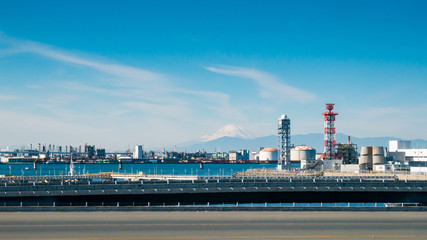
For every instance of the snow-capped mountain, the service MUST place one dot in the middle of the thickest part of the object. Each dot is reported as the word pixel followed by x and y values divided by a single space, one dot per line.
pixel 230 130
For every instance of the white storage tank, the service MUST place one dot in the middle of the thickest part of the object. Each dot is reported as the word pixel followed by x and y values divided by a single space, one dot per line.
pixel 269 154
pixel 302 152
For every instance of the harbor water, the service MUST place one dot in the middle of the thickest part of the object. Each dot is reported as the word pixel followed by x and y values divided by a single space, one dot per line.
pixel 151 168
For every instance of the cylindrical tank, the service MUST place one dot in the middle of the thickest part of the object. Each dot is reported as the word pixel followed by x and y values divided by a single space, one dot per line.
pixel 378 160
pixel 302 152
pixel 268 154
pixel 365 159
pixel 378 155
pixel 379 151
pixel 366 151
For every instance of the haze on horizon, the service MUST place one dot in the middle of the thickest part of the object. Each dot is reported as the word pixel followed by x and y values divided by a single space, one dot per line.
pixel 161 73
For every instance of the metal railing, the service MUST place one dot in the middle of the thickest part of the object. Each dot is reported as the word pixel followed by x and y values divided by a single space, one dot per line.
pixel 210 205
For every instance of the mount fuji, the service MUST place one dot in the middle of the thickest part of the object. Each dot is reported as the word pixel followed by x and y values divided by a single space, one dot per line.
pixel 230 130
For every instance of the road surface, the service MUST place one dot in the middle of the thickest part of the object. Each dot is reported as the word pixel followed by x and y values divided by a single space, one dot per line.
pixel 212 225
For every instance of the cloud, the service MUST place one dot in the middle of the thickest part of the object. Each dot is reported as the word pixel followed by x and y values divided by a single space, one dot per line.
pixel 8 98
pixel 115 94
pixel 270 85
pixel 26 46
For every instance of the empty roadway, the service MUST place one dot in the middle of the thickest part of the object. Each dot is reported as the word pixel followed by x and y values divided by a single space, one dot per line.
pixel 213 225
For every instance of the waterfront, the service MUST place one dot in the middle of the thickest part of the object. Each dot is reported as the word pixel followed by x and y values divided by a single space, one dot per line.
pixel 213 225
pixel 147 168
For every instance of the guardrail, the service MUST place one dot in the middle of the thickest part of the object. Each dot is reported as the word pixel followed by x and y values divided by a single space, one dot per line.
pixel 207 205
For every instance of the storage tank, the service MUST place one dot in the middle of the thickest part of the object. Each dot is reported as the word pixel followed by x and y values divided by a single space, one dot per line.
pixel 365 159
pixel 269 154
pixel 302 152
pixel 378 155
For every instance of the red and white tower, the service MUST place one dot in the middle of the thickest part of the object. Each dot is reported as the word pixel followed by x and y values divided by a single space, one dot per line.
pixel 329 153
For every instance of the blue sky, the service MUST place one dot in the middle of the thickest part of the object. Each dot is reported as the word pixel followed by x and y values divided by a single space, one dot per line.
pixel 161 73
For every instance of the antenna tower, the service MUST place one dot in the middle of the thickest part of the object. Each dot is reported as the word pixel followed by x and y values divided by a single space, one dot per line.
pixel 329 152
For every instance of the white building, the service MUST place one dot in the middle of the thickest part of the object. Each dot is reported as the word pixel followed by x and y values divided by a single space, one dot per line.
pixel 137 154
pixel 402 151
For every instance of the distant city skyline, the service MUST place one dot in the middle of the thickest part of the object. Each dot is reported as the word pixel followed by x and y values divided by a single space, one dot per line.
pixel 160 73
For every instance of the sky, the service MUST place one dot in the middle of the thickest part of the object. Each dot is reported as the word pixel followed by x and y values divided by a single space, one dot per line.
pixel 159 73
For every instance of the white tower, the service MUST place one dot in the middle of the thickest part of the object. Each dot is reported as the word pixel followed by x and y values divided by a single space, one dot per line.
pixel 284 134
pixel 72 170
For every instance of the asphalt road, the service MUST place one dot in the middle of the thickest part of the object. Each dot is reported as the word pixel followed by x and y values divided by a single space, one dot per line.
pixel 213 225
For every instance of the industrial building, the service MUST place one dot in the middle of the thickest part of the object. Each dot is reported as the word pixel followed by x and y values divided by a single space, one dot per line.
pixel 347 151
pixel 403 152
pixel 137 154
pixel 238 155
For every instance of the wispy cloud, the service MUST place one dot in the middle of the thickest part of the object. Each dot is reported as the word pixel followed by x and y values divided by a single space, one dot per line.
pixel 117 90
pixel 26 46
pixel 270 85
pixel 8 98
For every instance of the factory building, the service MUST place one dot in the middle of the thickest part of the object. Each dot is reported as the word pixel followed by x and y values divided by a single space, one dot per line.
pixel 348 151
pixel 303 154
pixel 402 151
pixel 238 155
pixel 268 154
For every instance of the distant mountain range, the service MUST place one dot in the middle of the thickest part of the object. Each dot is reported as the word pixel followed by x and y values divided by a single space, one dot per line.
pixel 314 140
pixel 230 130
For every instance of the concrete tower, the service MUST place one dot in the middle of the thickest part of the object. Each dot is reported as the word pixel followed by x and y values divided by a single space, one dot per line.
pixel 284 134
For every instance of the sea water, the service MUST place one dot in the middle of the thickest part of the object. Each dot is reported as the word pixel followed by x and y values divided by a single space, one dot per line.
pixel 209 169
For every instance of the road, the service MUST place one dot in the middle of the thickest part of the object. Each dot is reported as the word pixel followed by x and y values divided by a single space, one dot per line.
pixel 212 225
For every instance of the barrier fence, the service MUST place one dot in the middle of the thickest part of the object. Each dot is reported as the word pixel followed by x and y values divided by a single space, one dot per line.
pixel 227 205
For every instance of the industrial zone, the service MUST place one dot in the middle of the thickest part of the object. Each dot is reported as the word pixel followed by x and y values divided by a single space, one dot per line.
pixel 378 176
pixel 398 157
